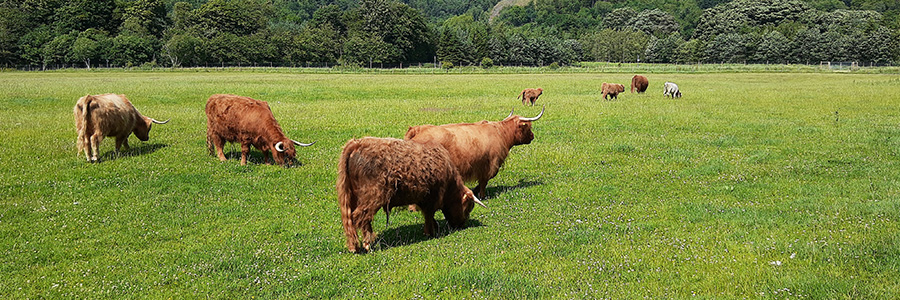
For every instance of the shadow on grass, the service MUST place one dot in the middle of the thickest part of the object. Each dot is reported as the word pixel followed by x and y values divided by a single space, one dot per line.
pixel 415 233
pixel 493 192
pixel 257 158
pixel 143 149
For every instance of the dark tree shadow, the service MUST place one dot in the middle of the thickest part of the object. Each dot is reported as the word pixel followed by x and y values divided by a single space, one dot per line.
pixel 414 233
pixel 143 149
pixel 493 192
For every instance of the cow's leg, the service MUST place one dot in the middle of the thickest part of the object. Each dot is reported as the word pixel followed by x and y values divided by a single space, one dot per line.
pixel 266 155
pixel 362 217
pixel 95 146
pixel 245 150
pixel 96 138
pixel 86 145
pixel 430 223
pixel 121 141
pixel 481 189
pixel 219 144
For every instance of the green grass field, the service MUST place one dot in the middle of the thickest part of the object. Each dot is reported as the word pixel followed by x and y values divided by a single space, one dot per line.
pixel 751 185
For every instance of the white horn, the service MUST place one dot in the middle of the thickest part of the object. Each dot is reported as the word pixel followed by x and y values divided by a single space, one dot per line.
pixel 535 118
pixel 478 201
pixel 158 122
pixel 279 146
pixel 510 113
pixel 302 144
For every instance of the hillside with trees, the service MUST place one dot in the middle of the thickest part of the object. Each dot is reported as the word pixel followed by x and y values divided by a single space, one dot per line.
pixel 82 33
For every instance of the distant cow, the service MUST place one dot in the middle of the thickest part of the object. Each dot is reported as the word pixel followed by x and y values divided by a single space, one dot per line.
pixel 382 173
pixel 236 119
pixel 640 83
pixel 477 149
pixel 530 96
pixel 611 89
pixel 670 89
pixel 99 116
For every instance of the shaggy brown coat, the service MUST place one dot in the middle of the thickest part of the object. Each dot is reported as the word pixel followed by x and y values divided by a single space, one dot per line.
pixel 237 119
pixel 99 116
pixel 381 173
pixel 477 149
pixel 611 89
pixel 530 96
pixel 640 83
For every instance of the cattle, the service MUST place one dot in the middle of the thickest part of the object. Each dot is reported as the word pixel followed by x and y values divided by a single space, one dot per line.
pixel 382 173
pixel 671 89
pixel 640 83
pixel 99 116
pixel 477 149
pixel 611 89
pixel 530 96
pixel 244 120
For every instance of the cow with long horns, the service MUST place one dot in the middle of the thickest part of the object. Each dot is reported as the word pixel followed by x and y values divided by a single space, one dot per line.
pixel 244 120
pixel 99 116
pixel 380 173
pixel 478 150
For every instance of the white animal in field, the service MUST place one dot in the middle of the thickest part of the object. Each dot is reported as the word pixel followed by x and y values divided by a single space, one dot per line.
pixel 671 89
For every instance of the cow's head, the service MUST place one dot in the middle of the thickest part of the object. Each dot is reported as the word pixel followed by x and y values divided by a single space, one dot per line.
pixel 522 127
pixel 458 208
pixel 142 128
pixel 540 91
pixel 285 152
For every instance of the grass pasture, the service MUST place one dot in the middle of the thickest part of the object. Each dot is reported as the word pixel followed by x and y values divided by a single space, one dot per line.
pixel 751 185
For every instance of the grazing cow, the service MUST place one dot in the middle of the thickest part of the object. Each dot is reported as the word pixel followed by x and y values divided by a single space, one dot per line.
pixel 611 89
pixel 671 89
pixel 640 83
pixel 236 119
pixel 529 96
pixel 477 149
pixel 99 116
pixel 382 173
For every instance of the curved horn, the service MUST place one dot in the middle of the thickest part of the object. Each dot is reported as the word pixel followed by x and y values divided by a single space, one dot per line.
pixel 478 201
pixel 535 118
pixel 158 122
pixel 510 113
pixel 302 144
pixel 279 146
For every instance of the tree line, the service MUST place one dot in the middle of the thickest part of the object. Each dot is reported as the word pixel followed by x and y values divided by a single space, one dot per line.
pixel 454 32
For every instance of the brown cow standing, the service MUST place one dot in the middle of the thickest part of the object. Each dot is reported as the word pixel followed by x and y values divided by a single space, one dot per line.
pixel 611 89
pixel 237 119
pixel 477 149
pixel 99 116
pixel 530 96
pixel 640 83
pixel 382 173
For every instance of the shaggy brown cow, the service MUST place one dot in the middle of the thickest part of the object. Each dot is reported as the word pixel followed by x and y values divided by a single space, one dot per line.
pixel 530 95
pixel 477 149
pixel 640 83
pixel 236 119
pixel 382 173
pixel 612 89
pixel 99 116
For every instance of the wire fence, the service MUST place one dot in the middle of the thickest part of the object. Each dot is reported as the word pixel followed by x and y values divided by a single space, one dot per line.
pixel 499 67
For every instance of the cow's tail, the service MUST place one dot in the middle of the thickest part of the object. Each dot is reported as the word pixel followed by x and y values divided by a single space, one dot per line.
pixel 346 198
pixel 85 120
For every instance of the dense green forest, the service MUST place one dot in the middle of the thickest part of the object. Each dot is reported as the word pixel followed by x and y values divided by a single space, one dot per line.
pixel 84 33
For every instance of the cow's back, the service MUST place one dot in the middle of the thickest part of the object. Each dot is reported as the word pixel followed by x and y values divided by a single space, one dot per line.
pixel 111 114
pixel 235 117
pixel 474 148
pixel 409 170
